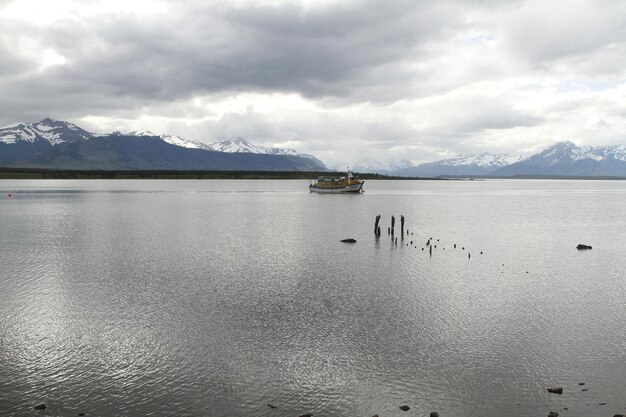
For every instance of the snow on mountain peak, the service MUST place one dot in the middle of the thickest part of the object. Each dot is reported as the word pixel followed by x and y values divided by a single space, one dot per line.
pixel 46 130
pixel 171 139
pixel 484 159
pixel 141 132
pixel 240 145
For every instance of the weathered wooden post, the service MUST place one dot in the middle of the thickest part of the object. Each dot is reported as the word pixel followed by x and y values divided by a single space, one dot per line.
pixel 393 222
pixel 376 228
pixel 402 225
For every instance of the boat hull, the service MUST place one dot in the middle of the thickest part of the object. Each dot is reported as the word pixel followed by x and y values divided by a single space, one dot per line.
pixel 353 188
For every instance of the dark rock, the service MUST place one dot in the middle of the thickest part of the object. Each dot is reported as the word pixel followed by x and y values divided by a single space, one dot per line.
pixel 40 407
pixel 601 403
pixel 348 240
pixel 405 408
pixel 585 389
pixel 618 415
pixel 81 414
pixel 581 383
pixel 272 406
pixel 553 414
pixel 306 415
pixel 434 414
pixel 556 390
pixel 582 247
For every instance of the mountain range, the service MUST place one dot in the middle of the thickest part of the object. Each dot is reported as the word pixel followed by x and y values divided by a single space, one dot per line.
pixel 55 144
pixel 481 164
pixel 62 145
pixel 567 159
pixel 560 159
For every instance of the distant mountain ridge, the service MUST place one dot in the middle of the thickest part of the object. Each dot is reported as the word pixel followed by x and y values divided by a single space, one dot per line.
pixel 123 152
pixel 48 130
pixel 560 159
pixel 236 145
pixel 565 158
pixel 63 145
pixel 171 139
pixel 379 166
pixel 478 164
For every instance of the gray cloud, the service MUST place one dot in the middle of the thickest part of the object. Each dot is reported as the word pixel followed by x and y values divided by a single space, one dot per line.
pixel 395 78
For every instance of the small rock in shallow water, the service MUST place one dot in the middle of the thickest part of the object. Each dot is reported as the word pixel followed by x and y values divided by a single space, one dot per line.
pixel 553 414
pixel 348 240
pixel 556 390
pixel 272 406
pixel 405 408
pixel 582 247
pixel 585 389
pixel 434 414
pixel 81 414
pixel 40 407
pixel 306 415
pixel 581 383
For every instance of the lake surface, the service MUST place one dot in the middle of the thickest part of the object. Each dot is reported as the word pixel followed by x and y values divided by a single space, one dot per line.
pixel 216 298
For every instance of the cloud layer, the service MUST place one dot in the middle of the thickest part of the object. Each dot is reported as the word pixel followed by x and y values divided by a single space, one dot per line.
pixel 341 79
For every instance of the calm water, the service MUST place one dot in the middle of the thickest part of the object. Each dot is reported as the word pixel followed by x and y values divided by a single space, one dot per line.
pixel 216 298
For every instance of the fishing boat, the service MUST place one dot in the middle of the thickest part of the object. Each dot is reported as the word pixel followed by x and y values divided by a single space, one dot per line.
pixel 331 185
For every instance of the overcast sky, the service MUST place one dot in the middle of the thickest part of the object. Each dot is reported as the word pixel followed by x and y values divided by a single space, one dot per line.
pixel 343 80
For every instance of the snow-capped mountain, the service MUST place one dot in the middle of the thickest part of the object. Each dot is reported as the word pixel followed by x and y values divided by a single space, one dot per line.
pixel 57 144
pixel 377 166
pixel 172 139
pixel 21 140
pixel 565 158
pixel 240 145
pixel 53 132
pixel 478 164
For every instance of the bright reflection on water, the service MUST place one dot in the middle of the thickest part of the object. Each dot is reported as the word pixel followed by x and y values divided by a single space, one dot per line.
pixel 220 297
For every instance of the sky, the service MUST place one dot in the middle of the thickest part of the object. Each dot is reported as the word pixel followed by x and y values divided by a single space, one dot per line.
pixel 346 81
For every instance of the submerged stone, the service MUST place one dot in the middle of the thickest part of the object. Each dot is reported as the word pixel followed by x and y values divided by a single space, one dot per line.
pixel 558 390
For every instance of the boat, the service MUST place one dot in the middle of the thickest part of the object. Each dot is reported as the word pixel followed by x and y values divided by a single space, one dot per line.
pixel 335 185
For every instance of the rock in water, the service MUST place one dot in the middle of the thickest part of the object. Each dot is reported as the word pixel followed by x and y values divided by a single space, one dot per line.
pixel 556 390
pixel 40 407
pixel 434 414
pixel 553 414
pixel 348 240
pixel 582 247
pixel 405 408
pixel 272 406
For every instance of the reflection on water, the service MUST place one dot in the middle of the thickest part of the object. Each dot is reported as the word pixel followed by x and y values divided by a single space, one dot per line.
pixel 220 297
